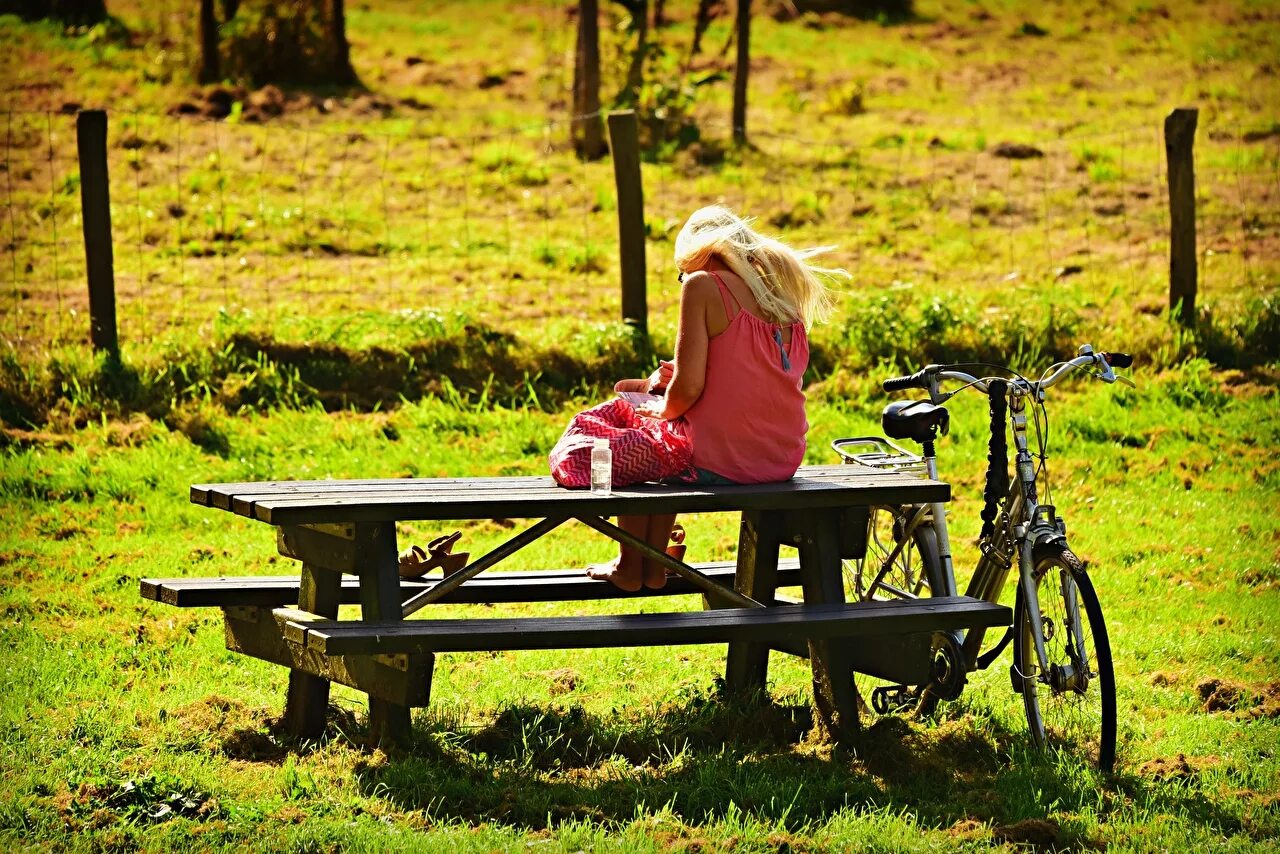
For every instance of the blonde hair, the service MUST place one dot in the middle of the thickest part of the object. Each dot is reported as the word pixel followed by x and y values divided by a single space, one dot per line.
pixel 786 286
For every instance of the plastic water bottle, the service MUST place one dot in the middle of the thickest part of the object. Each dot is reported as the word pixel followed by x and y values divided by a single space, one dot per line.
pixel 601 468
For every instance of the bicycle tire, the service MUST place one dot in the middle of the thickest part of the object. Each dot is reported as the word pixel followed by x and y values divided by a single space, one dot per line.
pixel 1069 716
pixel 912 572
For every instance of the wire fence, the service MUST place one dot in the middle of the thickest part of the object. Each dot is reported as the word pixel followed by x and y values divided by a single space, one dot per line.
pixel 213 217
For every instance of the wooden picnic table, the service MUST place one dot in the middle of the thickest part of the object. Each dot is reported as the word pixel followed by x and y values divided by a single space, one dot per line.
pixel 337 527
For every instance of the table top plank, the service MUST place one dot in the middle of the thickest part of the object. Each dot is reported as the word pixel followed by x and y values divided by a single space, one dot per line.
pixel 220 495
pixel 304 502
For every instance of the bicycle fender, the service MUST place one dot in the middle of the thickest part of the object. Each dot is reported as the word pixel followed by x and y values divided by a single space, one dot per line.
pixel 1046 538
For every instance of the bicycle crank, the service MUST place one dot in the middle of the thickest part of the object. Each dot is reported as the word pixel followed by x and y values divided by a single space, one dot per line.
pixel 948 672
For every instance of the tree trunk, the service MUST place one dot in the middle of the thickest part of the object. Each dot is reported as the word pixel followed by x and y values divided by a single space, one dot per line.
pixel 339 48
pixel 635 73
pixel 700 24
pixel 740 72
pixel 208 44
pixel 659 14
pixel 588 137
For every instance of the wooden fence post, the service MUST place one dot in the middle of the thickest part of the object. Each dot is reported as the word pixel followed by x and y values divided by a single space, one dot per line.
pixel 624 139
pixel 741 70
pixel 95 204
pixel 1179 143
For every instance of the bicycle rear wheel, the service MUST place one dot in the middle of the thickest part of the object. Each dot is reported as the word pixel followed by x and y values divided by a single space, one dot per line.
pixel 910 575
pixel 1072 706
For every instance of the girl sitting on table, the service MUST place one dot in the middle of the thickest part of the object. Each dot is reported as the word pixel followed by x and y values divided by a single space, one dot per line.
pixel 732 409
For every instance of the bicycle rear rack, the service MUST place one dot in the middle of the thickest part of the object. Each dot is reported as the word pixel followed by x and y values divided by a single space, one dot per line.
pixel 878 453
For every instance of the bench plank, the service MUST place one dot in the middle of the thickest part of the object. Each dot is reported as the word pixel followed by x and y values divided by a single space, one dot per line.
pixel 552 585
pixel 333 637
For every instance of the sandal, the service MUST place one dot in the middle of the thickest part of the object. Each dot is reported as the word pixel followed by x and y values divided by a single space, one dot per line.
pixel 415 562
pixel 676 548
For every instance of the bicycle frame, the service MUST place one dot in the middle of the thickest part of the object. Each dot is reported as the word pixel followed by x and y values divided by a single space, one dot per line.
pixel 1058 652
pixel 1022 517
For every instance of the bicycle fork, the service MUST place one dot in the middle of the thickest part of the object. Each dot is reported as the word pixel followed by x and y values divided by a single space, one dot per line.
pixel 1029 529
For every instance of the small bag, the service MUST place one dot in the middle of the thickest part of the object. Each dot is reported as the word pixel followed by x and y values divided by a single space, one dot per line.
pixel 644 449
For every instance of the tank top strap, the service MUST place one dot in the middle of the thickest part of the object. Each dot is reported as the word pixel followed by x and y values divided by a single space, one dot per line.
pixel 725 296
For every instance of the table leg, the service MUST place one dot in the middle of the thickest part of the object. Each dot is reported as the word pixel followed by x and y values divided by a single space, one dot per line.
pixel 307 702
pixel 380 600
pixel 834 695
pixel 747 665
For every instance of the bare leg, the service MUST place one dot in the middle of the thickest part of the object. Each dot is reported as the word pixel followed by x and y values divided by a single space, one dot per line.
pixel 627 571
pixel 631 385
pixel 658 535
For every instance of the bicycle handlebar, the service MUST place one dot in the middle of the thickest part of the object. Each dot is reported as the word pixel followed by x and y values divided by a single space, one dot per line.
pixel 1105 361
pixel 917 380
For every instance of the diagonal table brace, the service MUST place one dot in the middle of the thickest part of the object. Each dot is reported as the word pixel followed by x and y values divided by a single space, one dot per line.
pixel 502 552
pixel 683 569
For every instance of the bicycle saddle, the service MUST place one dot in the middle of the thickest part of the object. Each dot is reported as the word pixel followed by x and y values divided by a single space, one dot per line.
pixel 918 420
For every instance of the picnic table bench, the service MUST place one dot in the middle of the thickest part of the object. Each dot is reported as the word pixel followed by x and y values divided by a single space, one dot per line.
pixel 338 528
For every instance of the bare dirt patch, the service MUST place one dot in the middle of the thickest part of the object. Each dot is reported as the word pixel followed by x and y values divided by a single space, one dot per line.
pixel 1245 701
pixel 269 102
pixel 1180 767
pixel 967 828
pixel 28 439
pixel 896 750
pixel 1036 832
pixel 563 680
pixel 1221 695
pixel 230 727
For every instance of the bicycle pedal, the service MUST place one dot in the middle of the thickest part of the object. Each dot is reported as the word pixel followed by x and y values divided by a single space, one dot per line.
pixel 888 699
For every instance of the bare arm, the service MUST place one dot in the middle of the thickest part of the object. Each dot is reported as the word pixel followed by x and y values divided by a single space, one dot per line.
pixel 655 383
pixel 692 342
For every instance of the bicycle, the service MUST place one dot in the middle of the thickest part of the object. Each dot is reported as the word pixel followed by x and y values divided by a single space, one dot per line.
pixel 1061 653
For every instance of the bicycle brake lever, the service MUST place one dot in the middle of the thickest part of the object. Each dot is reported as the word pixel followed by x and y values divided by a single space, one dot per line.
pixel 1126 381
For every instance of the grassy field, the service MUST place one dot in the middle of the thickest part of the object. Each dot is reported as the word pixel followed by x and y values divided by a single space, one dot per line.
pixel 448 184
pixel 416 278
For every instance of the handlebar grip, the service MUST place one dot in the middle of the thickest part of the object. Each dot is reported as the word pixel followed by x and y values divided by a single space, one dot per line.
pixel 1118 360
pixel 916 380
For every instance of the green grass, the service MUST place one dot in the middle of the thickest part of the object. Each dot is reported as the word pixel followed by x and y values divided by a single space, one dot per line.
pixel 115 707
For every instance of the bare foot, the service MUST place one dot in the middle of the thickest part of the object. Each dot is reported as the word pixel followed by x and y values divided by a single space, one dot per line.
pixel 628 579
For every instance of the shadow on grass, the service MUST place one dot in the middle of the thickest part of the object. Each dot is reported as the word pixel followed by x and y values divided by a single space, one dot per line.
pixel 706 759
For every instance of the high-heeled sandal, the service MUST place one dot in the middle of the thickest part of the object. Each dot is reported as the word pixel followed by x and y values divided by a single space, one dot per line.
pixel 416 562
pixel 676 547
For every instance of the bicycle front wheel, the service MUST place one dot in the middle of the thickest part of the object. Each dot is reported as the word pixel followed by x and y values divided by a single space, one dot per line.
pixel 1072 706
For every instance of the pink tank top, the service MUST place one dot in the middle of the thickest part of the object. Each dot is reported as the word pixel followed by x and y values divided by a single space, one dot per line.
pixel 749 424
